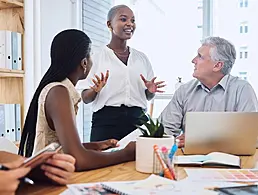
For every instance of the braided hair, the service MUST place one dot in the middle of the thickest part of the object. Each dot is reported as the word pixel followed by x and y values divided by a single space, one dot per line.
pixel 68 49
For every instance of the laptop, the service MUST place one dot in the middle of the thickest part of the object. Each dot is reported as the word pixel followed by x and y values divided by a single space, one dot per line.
pixel 230 132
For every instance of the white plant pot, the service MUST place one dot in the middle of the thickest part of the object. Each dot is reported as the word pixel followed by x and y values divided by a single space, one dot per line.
pixel 144 151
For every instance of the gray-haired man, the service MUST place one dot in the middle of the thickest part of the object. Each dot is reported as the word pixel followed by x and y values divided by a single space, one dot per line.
pixel 213 88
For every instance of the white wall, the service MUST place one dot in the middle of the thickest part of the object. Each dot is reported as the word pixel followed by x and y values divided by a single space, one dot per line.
pixel 166 31
pixel 56 15
pixel 43 20
pixel 227 25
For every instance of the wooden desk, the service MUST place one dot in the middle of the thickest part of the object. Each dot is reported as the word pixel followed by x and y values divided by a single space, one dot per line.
pixel 121 172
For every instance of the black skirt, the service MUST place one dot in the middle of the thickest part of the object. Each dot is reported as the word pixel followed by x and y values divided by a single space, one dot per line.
pixel 115 122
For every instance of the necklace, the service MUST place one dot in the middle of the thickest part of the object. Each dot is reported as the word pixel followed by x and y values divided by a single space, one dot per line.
pixel 118 52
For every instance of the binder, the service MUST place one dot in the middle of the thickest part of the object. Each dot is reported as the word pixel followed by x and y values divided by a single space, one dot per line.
pixel 7 128
pixel 14 40
pixel 17 122
pixel 12 121
pixel 19 44
pixel 2 49
pixel 2 120
pixel 8 49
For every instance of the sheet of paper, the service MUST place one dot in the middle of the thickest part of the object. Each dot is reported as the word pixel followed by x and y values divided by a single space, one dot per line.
pixel 126 140
pixel 156 185
pixel 66 192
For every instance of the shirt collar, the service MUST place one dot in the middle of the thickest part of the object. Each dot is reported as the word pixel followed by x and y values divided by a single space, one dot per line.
pixel 75 95
pixel 223 83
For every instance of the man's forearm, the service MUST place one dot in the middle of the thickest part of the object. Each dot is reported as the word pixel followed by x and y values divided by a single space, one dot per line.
pixel 88 95
pixel 149 95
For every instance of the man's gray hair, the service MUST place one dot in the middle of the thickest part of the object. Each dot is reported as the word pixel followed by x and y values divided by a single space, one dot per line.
pixel 112 12
pixel 221 50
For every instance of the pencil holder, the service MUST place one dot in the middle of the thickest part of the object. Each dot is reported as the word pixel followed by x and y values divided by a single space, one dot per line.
pixel 163 165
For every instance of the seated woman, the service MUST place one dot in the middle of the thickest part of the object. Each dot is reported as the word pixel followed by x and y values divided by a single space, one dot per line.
pixel 58 169
pixel 51 115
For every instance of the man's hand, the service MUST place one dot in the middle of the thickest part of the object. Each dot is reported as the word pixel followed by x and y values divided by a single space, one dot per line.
pixel 59 168
pixel 100 82
pixel 181 139
pixel 110 143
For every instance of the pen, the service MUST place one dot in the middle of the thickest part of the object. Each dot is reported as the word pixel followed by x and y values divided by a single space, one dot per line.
pixel 173 149
pixel 166 170
pixel 24 179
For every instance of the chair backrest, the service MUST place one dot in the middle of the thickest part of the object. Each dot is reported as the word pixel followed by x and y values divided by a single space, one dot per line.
pixel 8 146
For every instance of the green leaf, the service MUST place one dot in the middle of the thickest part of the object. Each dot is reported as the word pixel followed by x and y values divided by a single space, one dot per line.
pixel 152 123
pixel 160 132
pixel 144 131
pixel 153 129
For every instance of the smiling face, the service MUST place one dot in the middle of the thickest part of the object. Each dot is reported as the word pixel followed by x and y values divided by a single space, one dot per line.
pixel 123 23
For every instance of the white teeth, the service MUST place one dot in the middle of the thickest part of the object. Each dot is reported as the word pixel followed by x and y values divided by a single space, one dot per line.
pixel 128 30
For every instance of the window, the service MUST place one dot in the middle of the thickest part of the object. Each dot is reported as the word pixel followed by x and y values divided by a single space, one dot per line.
pixel 243 75
pixel 246 3
pixel 243 27
pixel 246 53
pixel 200 4
pixel 246 29
pixel 243 3
pixel 243 52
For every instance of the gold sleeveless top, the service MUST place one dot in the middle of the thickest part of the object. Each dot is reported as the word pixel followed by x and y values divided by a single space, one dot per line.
pixel 44 134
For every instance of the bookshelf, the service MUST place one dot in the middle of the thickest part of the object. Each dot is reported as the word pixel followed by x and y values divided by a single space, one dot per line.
pixel 12 81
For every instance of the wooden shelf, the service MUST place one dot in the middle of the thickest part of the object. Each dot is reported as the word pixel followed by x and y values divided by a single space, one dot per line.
pixel 11 73
pixel 6 4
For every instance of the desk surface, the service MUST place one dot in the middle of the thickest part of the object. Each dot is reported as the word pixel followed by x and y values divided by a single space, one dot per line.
pixel 121 172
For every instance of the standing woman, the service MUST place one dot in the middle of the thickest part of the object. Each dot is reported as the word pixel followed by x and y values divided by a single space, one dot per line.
pixel 119 95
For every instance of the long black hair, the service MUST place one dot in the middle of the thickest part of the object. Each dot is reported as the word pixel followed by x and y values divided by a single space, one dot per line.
pixel 68 49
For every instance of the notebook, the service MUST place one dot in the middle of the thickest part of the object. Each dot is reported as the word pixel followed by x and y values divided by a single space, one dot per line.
pixel 214 158
pixel 87 189
pixel 154 185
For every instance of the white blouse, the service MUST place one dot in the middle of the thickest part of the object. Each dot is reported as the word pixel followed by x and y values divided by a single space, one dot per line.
pixel 124 85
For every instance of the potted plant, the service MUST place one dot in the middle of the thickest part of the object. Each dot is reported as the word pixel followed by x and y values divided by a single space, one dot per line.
pixel 152 134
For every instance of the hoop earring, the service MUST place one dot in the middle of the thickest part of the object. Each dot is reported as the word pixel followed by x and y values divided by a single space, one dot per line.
pixel 85 70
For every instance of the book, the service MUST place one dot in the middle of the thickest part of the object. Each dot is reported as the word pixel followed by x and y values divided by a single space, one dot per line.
pixel 154 185
pixel 211 159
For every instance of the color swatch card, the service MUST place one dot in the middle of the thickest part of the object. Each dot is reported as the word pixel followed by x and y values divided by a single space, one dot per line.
pixel 233 175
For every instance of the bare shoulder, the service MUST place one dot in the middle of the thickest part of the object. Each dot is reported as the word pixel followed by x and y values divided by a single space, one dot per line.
pixel 58 92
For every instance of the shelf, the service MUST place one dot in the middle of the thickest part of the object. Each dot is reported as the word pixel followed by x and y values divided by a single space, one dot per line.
pixel 11 73
pixel 6 4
